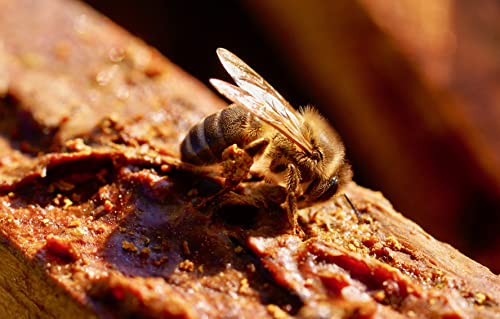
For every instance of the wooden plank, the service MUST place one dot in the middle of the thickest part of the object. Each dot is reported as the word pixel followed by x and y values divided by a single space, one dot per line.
pixel 99 219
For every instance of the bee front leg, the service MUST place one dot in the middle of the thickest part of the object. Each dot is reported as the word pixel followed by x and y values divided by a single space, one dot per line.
pixel 293 181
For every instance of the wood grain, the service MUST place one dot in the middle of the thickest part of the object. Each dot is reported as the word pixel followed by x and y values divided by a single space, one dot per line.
pixel 98 218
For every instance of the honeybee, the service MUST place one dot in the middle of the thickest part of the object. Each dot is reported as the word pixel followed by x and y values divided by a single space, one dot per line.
pixel 263 132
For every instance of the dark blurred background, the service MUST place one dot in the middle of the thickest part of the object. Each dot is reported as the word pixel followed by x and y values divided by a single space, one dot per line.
pixel 412 87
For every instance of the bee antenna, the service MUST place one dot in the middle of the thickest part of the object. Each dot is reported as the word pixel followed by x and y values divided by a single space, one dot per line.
pixel 356 211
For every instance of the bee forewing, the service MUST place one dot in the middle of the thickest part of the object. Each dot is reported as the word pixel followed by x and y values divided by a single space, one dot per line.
pixel 235 66
pixel 235 94
pixel 267 103
pixel 259 109
pixel 250 81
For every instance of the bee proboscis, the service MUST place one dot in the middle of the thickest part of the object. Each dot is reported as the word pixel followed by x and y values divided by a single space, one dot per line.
pixel 262 132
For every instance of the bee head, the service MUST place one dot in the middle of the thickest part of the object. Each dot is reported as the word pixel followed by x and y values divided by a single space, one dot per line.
pixel 323 187
pixel 328 168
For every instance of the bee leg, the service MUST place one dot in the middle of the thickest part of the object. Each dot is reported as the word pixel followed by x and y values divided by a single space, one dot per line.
pixel 293 180
pixel 236 163
pixel 257 147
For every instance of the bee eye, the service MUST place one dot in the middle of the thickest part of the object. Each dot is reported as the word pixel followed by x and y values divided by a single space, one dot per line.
pixel 332 188
pixel 321 189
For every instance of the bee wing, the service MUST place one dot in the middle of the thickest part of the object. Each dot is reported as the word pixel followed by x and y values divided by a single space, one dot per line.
pixel 260 98
pixel 260 109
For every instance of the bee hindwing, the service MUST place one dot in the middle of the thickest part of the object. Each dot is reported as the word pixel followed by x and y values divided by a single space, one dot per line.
pixel 260 98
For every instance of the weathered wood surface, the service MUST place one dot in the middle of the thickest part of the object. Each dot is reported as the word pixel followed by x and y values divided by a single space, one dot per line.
pixel 97 219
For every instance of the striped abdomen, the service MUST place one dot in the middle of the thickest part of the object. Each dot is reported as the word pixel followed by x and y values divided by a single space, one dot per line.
pixel 206 141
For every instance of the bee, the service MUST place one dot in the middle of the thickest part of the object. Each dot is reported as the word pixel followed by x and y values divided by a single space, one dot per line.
pixel 261 131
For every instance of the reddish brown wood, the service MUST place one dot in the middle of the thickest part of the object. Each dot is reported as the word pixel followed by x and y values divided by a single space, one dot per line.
pixel 98 218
